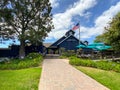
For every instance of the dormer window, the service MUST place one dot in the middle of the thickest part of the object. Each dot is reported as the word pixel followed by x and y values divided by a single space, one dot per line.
pixel 70 32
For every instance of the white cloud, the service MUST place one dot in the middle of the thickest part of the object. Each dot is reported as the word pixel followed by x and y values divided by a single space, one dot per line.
pixel 54 3
pixel 101 22
pixel 63 21
pixel 87 15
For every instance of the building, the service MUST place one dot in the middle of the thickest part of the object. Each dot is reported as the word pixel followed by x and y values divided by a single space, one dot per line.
pixel 13 50
pixel 68 42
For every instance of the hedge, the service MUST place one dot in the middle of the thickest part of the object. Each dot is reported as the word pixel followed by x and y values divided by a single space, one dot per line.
pixel 105 65
pixel 31 60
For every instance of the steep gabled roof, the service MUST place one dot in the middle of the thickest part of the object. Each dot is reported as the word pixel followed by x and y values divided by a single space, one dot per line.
pixel 58 41
pixel 68 38
pixel 62 39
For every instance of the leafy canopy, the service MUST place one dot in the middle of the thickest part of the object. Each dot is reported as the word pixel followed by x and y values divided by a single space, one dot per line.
pixel 25 19
pixel 29 20
pixel 112 33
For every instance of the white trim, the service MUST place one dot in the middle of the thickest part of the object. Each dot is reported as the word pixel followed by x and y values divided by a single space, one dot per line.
pixel 56 41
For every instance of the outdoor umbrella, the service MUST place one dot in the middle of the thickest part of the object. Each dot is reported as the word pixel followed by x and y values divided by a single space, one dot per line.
pixel 81 46
pixel 105 47
pixel 96 44
pixel 92 47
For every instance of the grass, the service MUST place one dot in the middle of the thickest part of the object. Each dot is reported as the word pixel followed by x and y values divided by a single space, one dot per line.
pixel 110 79
pixel 23 79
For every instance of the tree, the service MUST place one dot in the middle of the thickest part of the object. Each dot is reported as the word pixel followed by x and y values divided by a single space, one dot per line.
pixel 100 38
pixel 112 33
pixel 25 19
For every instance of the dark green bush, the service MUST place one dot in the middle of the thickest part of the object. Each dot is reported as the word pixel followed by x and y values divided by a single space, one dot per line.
pixel 68 53
pixel 98 64
pixel 77 61
pixel 33 55
pixel 31 60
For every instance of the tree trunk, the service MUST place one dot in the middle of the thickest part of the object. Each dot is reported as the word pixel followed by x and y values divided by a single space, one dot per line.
pixel 22 49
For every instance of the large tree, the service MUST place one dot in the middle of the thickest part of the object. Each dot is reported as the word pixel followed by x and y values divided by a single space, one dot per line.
pixel 100 38
pixel 29 20
pixel 112 33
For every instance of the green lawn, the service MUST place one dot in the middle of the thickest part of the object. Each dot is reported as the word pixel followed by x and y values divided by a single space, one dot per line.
pixel 23 79
pixel 108 78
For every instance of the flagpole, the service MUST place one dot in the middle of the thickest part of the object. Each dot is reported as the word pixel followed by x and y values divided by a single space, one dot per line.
pixel 79 34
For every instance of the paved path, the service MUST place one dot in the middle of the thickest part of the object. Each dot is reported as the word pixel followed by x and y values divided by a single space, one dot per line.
pixel 59 75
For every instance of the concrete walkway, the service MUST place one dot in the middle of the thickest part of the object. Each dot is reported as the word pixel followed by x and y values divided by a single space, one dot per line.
pixel 59 75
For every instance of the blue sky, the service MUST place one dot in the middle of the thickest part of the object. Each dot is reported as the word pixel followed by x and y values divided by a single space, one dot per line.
pixel 93 16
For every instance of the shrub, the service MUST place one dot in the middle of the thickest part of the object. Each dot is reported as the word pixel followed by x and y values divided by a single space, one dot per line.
pixel 69 53
pixel 76 61
pixel 33 55
pixel 31 60
pixel 98 64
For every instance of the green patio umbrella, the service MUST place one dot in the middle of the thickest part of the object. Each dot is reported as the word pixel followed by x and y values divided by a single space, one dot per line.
pixel 98 46
pixel 81 46
pixel 92 47
pixel 105 47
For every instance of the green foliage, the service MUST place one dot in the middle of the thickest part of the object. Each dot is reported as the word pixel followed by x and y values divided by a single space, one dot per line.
pixel 105 65
pixel 78 61
pixel 111 35
pixel 100 38
pixel 26 19
pixel 24 79
pixel 68 53
pixel 32 60
pixel 33 55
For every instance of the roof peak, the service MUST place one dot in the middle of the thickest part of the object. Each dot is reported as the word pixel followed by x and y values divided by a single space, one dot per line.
pixel 69 32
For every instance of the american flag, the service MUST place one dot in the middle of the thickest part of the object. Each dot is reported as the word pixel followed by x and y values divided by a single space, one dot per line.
pixel 76 26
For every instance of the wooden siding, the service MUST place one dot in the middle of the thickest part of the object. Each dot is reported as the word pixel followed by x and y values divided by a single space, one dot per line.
pixel 70 43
